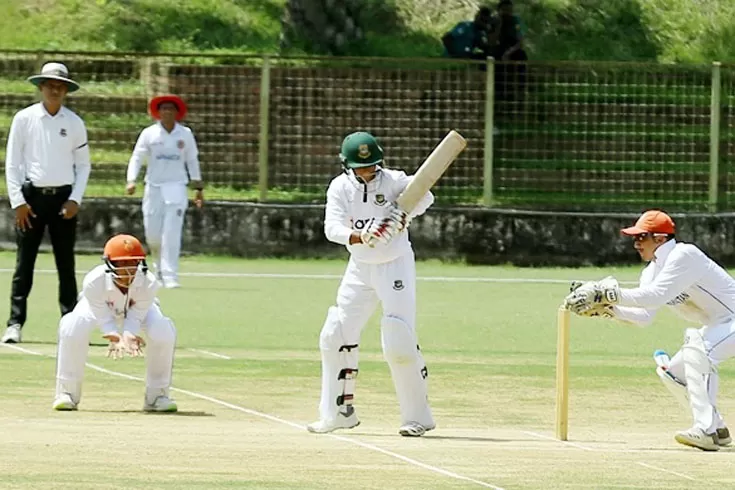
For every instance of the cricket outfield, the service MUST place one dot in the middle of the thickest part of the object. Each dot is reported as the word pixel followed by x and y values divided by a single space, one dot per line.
pixel 247 375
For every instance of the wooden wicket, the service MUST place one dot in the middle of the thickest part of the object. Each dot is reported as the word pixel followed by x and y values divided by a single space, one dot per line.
pixel 562 373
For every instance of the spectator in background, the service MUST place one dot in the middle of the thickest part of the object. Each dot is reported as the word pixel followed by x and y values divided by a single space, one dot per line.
pixel 469 39
pixel 506 41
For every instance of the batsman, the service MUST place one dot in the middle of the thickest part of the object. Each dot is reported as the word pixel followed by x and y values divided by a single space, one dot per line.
pixel 682 277
pixel 361 214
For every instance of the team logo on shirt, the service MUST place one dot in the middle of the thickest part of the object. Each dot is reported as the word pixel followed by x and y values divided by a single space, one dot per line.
pixel 361 224
pixel 62 132
pixel 363 151
pixel 380 199
pixel 180 144
pixel 398 285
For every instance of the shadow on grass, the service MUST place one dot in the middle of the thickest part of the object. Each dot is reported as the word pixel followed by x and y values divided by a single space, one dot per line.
pixel 180 413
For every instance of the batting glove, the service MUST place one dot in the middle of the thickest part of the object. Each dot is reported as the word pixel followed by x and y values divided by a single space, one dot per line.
pixel 381 231
pixel 399 216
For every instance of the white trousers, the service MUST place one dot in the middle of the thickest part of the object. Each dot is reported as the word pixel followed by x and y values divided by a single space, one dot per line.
pixel 364 285
pixel 164 207
pixel 75 329
pixel 719 343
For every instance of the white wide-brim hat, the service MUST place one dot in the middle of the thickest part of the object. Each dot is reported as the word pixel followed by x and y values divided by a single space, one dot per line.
pixel 54 71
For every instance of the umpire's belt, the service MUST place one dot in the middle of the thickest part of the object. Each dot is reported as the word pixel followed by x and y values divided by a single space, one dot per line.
pixel 52 191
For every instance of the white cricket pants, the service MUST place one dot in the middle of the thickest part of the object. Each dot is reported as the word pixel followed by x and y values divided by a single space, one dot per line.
pixel 719 342
pixel 364 285
pixel 75 329
pixel 164 207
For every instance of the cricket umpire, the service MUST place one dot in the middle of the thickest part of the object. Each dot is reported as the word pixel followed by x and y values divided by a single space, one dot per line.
pixel 46 169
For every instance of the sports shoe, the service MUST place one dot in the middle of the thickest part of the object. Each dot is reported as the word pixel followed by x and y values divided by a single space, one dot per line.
pixel 344 420
pixel 723 436
pixel 414 429
pixel 161 404
pixel 64 403
pixel 12 335
pixel 696 437
pixel 171 284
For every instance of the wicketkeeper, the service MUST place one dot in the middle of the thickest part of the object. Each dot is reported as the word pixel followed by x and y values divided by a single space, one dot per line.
pixel 681 276
pixel 360 214
pixel 119 298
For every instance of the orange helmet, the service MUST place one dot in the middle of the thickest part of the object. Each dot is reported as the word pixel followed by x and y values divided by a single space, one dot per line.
pixel 123 247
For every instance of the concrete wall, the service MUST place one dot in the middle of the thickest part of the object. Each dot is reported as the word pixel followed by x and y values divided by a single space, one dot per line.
pixel 479 236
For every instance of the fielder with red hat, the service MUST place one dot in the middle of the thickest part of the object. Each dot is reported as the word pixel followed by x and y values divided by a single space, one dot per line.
pixel 173 161
pixel 682 277
pixel 119 298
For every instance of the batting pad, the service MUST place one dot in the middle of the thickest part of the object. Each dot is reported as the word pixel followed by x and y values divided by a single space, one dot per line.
pixel 698 368
pixel 339 367
pixel 408 369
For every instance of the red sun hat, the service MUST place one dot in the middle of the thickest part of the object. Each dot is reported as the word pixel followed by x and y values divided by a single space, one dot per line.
pixel 652 221
pixel 161 99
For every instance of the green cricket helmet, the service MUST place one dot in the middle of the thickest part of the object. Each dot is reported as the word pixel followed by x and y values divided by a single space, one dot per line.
pixel 359 150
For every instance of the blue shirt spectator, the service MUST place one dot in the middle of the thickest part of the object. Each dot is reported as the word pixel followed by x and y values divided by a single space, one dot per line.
pixel 469 39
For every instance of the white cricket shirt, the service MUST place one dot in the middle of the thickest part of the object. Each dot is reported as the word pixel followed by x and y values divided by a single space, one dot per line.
pixel 110 307
pixel 172 157
pixel 352 207
pixel 682 277
pixel 50 151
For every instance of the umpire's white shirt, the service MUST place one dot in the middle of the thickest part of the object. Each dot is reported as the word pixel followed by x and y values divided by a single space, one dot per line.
pixel 352 206
pixel 50 151
pixel 102 300
pixel 682 277
pixel 173 158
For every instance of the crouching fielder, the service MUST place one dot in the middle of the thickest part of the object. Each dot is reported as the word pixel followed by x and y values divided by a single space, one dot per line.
pixel 120 293
pixel 360 215
pixel 681 276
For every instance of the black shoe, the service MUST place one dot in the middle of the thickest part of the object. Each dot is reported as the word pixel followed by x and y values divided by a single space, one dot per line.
pixel 724 436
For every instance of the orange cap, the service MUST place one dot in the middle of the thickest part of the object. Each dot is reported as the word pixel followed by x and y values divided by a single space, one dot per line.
pixel 124 247
pixel 652 221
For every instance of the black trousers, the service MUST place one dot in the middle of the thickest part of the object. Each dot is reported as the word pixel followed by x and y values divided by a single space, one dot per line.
pixel 510 78
pixel 46 204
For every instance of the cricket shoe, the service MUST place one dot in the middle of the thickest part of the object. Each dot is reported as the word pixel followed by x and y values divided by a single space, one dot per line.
pixel 161 404
pixel 723 436
pixel 171 284
pixel 344 420
pixel 696 437
pixel 64 403
pixel 414 429
pixel 12 335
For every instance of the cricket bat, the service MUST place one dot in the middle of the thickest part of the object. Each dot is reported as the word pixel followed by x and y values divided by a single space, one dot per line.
pixel 433 167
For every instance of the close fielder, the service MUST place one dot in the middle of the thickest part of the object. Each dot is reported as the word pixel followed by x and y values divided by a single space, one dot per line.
pixel 681 276
pixel 360 214
pixel 120 293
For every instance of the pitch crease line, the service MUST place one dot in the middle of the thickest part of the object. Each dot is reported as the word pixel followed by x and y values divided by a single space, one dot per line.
pixel 209 353
pixel 650 466
pixel 259 275
pixel 21 349
pixel 584 448
pixel 294 425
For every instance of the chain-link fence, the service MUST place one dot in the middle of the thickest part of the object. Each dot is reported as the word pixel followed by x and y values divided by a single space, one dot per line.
pixel 599 136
